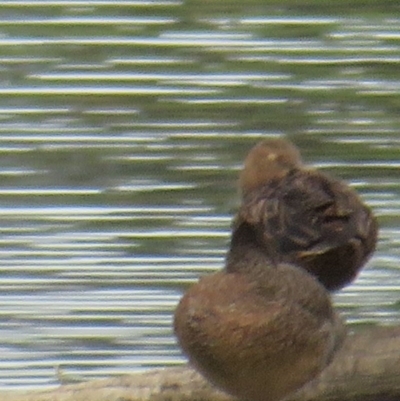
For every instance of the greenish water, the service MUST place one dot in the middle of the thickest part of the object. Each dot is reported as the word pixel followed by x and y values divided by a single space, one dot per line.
pixel 123 125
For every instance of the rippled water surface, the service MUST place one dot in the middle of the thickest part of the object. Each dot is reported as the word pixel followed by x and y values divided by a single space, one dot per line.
pixel 123 125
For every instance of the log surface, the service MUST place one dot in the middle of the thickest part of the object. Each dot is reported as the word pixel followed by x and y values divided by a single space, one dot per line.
pixel 367 368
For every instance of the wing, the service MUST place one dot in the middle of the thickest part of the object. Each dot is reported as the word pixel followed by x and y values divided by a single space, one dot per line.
pixel 308 215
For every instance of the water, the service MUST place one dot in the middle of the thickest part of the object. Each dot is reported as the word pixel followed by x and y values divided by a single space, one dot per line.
pixel 123 125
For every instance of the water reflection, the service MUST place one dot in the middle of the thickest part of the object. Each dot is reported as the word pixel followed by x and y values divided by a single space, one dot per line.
pixel 123 126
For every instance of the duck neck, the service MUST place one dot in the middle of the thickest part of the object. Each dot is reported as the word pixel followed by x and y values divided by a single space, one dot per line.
pixel 244 252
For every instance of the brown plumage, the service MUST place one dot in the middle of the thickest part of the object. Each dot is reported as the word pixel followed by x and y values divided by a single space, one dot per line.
pixel 260 332
pixel 303 216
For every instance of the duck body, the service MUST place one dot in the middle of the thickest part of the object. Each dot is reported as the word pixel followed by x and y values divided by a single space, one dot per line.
pixel 305 217
pixel 258 335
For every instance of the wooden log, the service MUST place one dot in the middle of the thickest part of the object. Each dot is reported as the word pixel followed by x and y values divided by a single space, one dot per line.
pixel 367 368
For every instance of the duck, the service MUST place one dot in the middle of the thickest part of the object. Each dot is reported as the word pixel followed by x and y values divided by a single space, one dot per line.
pixel 257 330
pixel 303 216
